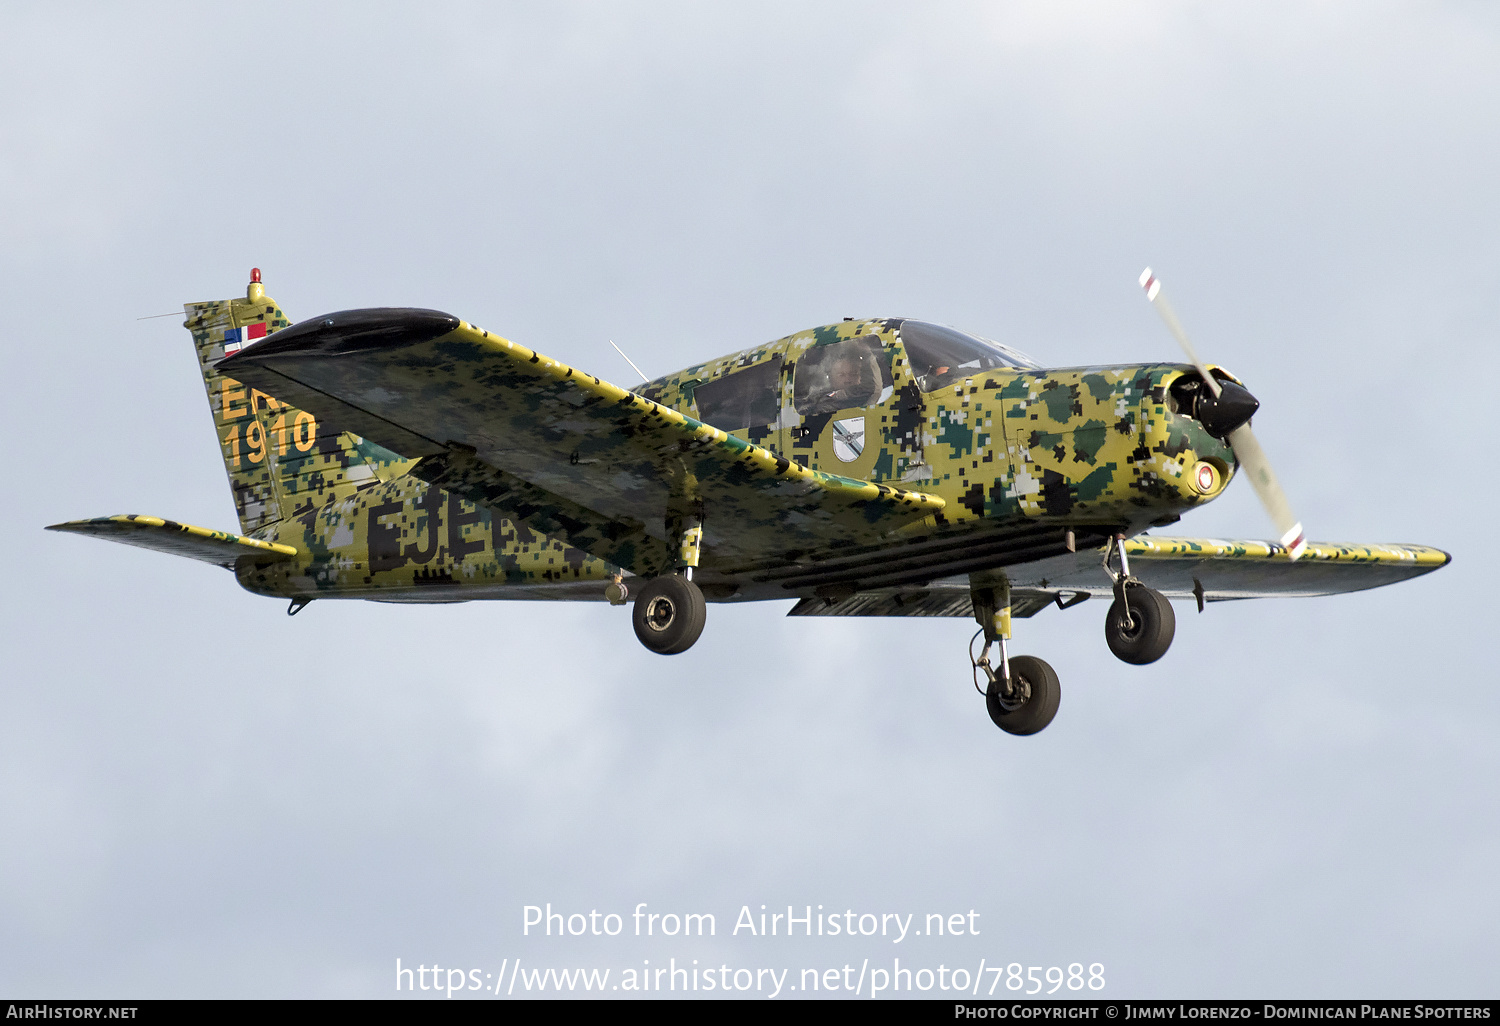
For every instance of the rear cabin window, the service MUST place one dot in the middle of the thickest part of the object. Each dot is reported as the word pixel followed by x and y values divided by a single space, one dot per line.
pixel 745 399
pixel 940 355
pixel 841 376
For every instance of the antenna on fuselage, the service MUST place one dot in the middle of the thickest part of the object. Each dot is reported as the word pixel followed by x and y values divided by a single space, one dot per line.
pixel 628 360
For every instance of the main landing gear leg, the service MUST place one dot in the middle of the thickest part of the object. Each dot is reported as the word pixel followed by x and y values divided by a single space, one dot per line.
pixel 669 609
pixel 1023 697
pixel 1140 624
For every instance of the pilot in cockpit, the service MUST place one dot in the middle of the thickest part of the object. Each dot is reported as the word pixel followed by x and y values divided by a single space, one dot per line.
pixel 847 382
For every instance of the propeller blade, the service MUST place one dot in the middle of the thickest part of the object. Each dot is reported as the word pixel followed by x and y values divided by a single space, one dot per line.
pixel 1263 479
pixel 1152 285
pixel 1246 449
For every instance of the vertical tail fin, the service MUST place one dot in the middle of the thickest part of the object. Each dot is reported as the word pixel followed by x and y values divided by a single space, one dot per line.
pixel 281 462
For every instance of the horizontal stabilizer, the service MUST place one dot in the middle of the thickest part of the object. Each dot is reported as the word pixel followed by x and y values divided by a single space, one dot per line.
pixel 218 547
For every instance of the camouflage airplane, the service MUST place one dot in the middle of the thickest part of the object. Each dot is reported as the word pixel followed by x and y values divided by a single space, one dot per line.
pixel 887 467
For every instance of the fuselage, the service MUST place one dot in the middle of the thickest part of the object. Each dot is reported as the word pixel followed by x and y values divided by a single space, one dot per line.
pixel 1028 460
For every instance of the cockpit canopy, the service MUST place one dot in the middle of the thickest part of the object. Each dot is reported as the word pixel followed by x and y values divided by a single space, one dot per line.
pixel 941 355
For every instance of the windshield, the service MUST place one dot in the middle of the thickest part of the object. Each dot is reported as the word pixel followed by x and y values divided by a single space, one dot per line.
pixel 941 355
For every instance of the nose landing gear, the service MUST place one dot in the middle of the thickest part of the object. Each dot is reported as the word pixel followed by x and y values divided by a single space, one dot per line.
pixel 1140 623
pixel 1139 626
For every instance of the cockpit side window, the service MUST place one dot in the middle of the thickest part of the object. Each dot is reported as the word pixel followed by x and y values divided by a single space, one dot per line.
pixel 745 399
pixel 941 355
pixel 841 376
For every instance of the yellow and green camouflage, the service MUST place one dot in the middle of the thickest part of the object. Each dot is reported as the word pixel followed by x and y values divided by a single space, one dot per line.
pixel 218 547
pixel 406 455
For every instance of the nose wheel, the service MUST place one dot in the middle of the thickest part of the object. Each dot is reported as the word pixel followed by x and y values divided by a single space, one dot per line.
pixel 1140 624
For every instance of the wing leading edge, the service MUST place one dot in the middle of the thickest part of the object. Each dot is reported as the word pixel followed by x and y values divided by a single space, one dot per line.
pixel 1185 568
pixel 568 453
pixel 1220 570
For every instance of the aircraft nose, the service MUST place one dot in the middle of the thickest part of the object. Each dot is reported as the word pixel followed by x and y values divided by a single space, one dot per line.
pixel 1221 414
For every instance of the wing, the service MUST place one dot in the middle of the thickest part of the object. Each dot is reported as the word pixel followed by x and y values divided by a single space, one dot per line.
pixel 1219 570
pixel 1197 568
pixel 572 455
pixel 218 547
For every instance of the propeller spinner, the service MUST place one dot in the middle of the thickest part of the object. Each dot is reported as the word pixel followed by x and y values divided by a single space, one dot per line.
pixel 1230 406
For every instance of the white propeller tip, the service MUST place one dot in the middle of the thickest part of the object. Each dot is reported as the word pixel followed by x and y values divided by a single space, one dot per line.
pixel 1150 284
pixel 1294 541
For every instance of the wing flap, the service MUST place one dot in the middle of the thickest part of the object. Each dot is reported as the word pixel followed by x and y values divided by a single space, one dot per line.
pixel 951 600
pixel 201 543
pixel 423 383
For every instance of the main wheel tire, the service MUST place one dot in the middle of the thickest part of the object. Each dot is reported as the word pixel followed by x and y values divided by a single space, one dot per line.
pixel 669 614
pixel 1149 633
pixel 1037 694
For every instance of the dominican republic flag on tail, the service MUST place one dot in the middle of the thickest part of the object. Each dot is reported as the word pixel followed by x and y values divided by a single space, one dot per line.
pixel 236 339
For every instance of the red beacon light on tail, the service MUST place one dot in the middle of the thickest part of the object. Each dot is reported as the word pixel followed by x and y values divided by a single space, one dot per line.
pixel 255 275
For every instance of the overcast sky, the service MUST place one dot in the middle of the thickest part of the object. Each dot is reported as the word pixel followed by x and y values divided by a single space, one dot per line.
pixel 202 797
